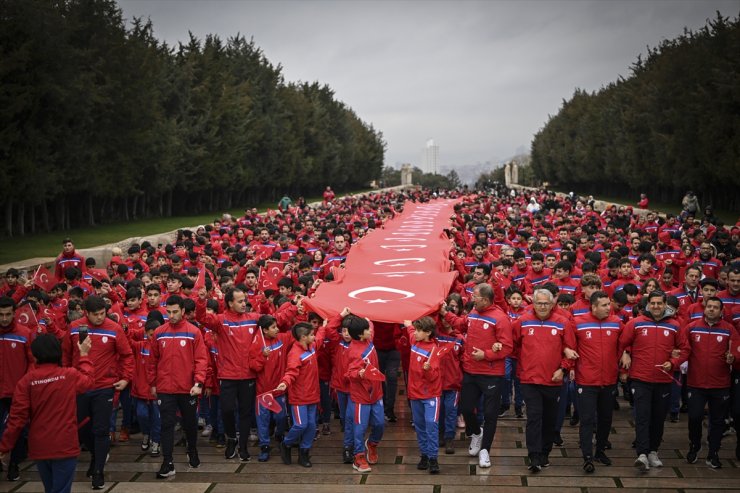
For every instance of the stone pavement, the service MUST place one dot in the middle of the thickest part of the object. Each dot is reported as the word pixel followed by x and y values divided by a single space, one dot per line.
pixel 130 471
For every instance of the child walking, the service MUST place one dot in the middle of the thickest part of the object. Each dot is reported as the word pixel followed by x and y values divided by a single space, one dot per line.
pixel 425 389
pixel 365 393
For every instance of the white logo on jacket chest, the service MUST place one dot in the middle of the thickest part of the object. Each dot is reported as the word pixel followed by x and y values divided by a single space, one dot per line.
pixel 105 339
pixel 12 344
pixel 719 338
pixel 666 332
pixel 182 343
pixel 554 332
pixel 588 335
pixel 531 332
pixel 485 326
pixel 608 332
pixel 644 332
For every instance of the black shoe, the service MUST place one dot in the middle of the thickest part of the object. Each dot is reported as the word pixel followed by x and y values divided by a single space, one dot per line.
pixel 503 411
pixel 303 457
pixel 588 465
pixel 91 469
pixel 193 459
pixel 608 445
pixel 674 417
pixel 98 481
pixel 14 473
pixel 230 451
pixel 244 455
pixel 693 454
pixel 602 458
pixel 433 466
pixel 574 420
pixel 558 440
pixel 167 470
pixel 545 460
pixel 285 453
pixel 347 457
pixel 519 412
pixel 534 463
pixel 713 461
pixel 423 464
pixel 391 418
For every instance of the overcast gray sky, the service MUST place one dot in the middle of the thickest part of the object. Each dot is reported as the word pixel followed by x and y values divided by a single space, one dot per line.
pixel 479 77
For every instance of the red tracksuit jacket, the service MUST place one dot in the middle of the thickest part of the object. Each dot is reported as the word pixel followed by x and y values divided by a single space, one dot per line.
pixel 651 343
pixel 235 333
pixel 45 396
pixel 302 374
pixel 539 346
pixel 15 356
pixel 140 385
pixel 362 391
pixel 597 343
pixel 481 331
pixel 270 369
pixel 110 354
pixel 179 358
pixel 708 347
pixel 422 384
pixel 450 367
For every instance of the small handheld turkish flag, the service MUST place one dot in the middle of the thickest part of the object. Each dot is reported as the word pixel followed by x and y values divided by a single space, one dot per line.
pixel 43 278
pixel 373 374
pixel 438 353
pixel 268 401
pixel 200 282
pixel 26 316
pixel 270 274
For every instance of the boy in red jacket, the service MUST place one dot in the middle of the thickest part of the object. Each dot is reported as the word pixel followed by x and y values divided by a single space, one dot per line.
pixel 302 376
pixel 424 390
pixel 339 349
pixel 147 410
pixel 268 358
pixel 365 395
pixel 45 397
pixel 179 363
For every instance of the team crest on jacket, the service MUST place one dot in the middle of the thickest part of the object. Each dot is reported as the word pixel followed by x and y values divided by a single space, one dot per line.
pixel 485 326
pixel 719 338
pixel 554 332
pixel 698 338
pixel 182 343
pixel 12 344
pixel 608 332
pixel 644 332
pixel 105 339
pixel 588 334
pixel 665 333
pixel 531 332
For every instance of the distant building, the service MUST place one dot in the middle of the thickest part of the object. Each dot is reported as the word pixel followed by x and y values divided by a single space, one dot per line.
pixel 430 158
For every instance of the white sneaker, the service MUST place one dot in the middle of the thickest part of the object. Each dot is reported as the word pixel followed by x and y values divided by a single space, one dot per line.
pixel 654 460
pixel 154 449
pixel 475 442
pixel 483 459
pixel 642 463
pixel 207 431
pixel 201 422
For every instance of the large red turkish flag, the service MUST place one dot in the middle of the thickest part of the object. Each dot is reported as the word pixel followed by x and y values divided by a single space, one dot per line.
pixel 270 274
pixel 400 272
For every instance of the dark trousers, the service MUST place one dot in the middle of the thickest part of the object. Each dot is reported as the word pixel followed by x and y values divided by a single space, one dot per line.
pixel 595 406
pixel 241 394
pixel 719 400
pixel 473 387
pixel 20 450
pixel 542 413
pixel 169 404
pixel 388 364
pixel 57 474
pixel 96 407
pixel 651 401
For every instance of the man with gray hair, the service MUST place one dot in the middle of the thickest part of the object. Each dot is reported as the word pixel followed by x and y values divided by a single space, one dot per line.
pixel 487 344
pixel 539 342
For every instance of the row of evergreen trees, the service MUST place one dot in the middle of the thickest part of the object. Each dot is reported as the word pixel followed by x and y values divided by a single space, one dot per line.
pixel 100 121
pixel 672 125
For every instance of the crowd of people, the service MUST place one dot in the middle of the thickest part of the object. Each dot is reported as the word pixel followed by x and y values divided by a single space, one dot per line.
pixel 555 305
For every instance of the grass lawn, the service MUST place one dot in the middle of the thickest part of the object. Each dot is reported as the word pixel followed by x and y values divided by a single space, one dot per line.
pixel 50 244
